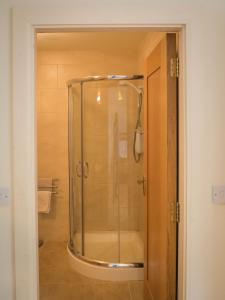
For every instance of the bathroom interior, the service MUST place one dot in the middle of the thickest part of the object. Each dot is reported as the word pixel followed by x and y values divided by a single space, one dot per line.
pixel 90 156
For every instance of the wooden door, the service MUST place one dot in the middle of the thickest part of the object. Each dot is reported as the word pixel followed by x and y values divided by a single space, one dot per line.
pixel 161 171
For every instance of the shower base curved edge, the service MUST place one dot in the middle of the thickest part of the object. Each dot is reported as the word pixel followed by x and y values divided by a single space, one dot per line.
pixel 105 273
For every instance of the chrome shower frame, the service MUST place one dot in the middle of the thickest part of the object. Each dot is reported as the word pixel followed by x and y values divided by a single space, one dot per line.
pixel 71 246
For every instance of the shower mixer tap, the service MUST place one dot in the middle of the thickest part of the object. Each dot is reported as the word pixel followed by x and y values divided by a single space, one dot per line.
pixel 143 182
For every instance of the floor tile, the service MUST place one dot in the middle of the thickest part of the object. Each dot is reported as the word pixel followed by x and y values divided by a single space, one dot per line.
pixel 55 292
pixel 138 290
pixel 116 291
pixel 59 282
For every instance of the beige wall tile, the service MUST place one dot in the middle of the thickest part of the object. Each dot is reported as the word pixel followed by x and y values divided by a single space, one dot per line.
pixel 91 63
pixel 47 76
pixel 71 57
pixel 52 101
pixel 96 199
pixel 52 128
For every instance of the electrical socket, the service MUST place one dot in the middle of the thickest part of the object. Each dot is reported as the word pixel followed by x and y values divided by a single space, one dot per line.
pixel 4 195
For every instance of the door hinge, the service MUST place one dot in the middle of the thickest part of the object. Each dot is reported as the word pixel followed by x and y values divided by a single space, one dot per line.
pixel 177 212
pixel 174 67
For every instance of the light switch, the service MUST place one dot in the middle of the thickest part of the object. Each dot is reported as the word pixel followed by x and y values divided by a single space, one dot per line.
pixel 4 196
pixel 218 194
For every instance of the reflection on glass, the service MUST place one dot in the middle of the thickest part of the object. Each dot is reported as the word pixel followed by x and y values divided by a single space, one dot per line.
pixel 112 218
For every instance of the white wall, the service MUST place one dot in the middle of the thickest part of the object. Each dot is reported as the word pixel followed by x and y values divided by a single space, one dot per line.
pixel 6 247
pixel 205 126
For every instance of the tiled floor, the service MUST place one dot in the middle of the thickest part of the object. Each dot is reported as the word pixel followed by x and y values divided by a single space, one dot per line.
pixel 59 282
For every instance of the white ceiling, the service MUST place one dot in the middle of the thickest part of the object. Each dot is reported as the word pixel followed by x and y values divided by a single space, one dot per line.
pixel 128 42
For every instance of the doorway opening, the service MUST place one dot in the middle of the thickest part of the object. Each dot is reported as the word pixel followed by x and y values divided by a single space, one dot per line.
pixel 96 94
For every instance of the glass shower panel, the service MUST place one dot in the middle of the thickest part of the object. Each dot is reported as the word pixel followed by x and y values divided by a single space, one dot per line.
pixel 75 157
pixel 101 130
pixel 130 193
pixel 106 210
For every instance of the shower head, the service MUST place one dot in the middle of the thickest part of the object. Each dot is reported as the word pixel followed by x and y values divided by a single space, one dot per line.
pixel 137 143
pixel 126 82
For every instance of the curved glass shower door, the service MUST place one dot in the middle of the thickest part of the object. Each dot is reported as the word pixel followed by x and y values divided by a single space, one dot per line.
pixel 101 194
pixel 75 170
pixel 107 202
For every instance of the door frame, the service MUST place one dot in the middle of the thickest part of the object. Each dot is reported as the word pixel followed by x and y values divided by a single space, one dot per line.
pixel 26 23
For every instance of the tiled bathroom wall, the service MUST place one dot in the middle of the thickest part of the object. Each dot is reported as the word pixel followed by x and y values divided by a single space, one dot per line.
pixel 54 69
pixel 52 147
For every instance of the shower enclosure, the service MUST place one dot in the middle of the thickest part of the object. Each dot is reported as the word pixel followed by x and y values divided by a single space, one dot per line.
pixel 106 171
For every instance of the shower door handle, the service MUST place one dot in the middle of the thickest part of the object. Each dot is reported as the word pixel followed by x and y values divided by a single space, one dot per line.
pixel 78 169
pixel 82 169
pixel 85 169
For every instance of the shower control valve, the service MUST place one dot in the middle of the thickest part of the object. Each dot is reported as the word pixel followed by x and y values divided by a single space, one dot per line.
pixel 143 182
